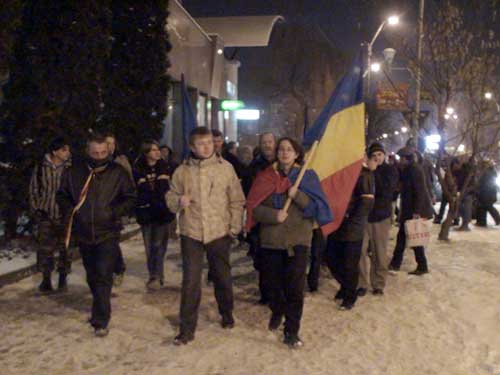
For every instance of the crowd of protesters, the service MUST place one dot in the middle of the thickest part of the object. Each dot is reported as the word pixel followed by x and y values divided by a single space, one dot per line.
pixel 221 193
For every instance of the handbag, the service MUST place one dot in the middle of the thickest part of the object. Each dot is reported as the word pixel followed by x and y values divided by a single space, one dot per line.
pixel 418 232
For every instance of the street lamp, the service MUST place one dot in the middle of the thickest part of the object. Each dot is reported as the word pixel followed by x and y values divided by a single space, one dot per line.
pixel 396 132
pixel 450 110
pixel 375 67
pixel 392 21
pixel 446 116
pixel 385 135
pixel 488 95
pixel 455 117
pixel 404 129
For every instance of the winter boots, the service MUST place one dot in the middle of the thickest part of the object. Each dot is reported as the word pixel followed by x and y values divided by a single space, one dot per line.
pixel 46 284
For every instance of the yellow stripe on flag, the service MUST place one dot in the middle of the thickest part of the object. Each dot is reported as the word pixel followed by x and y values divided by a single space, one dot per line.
pixel 343 142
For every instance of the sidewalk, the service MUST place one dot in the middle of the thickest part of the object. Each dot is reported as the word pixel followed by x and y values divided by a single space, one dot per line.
pixel 444 323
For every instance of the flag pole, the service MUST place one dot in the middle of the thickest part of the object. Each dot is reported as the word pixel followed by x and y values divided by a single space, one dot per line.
pixel 302 172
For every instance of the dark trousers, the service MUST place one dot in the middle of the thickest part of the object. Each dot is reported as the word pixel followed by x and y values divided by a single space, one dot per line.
pixel 343 261
pixel 256 254
pixel 99 261
pixel 317 248
pixel 397 257
pixel 217 253
pixel 482 213
pixel 466 210
pixel 285 277
pixel 120 263
pixel 442 208
pixel 155 237
pixel 51 240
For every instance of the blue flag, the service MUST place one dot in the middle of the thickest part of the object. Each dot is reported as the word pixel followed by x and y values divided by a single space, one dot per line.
pixel 188 119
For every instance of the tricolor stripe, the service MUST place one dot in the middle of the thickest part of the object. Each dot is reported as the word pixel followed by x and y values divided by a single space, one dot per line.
pixel 341 134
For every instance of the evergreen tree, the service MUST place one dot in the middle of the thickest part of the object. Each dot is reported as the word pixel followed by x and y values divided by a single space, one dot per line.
pixel 135 99
pixel 55 74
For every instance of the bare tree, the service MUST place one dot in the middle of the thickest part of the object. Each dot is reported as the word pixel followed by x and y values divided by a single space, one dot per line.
pixel 460 63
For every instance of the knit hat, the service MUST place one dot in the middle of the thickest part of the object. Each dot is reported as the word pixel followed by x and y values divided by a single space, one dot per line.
pixel 406 151
pixel 374 147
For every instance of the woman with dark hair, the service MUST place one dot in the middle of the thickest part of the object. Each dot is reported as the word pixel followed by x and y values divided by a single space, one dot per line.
pixel 285 235
pixel 152 176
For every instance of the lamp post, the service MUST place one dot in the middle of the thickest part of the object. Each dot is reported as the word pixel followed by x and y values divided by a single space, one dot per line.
pixel 392 21
pixel 420 40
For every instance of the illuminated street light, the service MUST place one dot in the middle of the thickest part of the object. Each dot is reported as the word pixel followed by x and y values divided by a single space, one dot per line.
pixel 446 116
pixel 450 110
pixel 455 117
pixel 396 132
pixel 385 135
pixel 404 129
pixel 393 20
pixel 375 67
pixel 488 95
pixel 461 148
pixel 220 51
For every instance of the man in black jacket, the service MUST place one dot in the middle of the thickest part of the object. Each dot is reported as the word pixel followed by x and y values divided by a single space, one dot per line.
pixel 415 203
pixel 93 196
pixel 377 230
pixel 344 245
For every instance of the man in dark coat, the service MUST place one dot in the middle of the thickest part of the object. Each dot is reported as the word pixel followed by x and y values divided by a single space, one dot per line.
pixel 344 246
pixel 376 234
pixel 487 196
pixel 93 197
pixel 415 203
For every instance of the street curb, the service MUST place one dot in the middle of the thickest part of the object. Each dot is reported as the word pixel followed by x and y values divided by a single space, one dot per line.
pixel 17 275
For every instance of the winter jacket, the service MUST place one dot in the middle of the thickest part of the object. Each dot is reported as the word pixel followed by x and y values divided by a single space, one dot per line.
pixel 360 205
pixel 217 200
pixel 123 161
pixel 152 184
pixel 386 184
pixel 487 187
pixel 415 199
pixel 111 195
pixel 45 182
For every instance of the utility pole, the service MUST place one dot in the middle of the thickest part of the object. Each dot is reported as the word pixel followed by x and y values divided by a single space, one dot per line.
pixel 420 41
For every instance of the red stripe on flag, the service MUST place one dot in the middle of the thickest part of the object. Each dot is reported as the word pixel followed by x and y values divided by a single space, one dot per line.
pixel 338 190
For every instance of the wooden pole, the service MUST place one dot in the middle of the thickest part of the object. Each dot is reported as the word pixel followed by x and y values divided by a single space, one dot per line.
pixel 302 172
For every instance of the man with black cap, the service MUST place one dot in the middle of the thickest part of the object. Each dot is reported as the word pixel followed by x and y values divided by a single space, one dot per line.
pixel 415 203
pixel 376 235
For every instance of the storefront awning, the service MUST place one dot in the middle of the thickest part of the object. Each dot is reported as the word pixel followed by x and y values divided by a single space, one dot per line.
pixel 251 31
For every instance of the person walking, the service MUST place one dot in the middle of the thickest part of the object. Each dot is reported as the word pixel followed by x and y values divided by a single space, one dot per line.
pixel 121 159
pixel 45 181
pixel 207 193
pixel 344 245
pixel 93 197
pixel 285 236
pixel 415 204
pixel 152 177
pixel 374 262
pixel 487 195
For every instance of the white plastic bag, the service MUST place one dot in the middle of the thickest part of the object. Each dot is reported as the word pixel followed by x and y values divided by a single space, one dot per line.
pixel 418 232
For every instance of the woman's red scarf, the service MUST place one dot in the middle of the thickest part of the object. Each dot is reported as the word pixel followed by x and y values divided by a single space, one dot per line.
pixel 268 182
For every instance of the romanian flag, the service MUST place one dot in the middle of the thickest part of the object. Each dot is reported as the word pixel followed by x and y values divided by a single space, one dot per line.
pixel 340 131
pixel 270 182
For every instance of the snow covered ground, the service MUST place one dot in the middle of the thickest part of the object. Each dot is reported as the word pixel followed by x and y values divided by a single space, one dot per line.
pixel 446 323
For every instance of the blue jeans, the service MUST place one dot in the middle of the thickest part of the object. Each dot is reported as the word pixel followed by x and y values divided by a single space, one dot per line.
pixel 155 237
